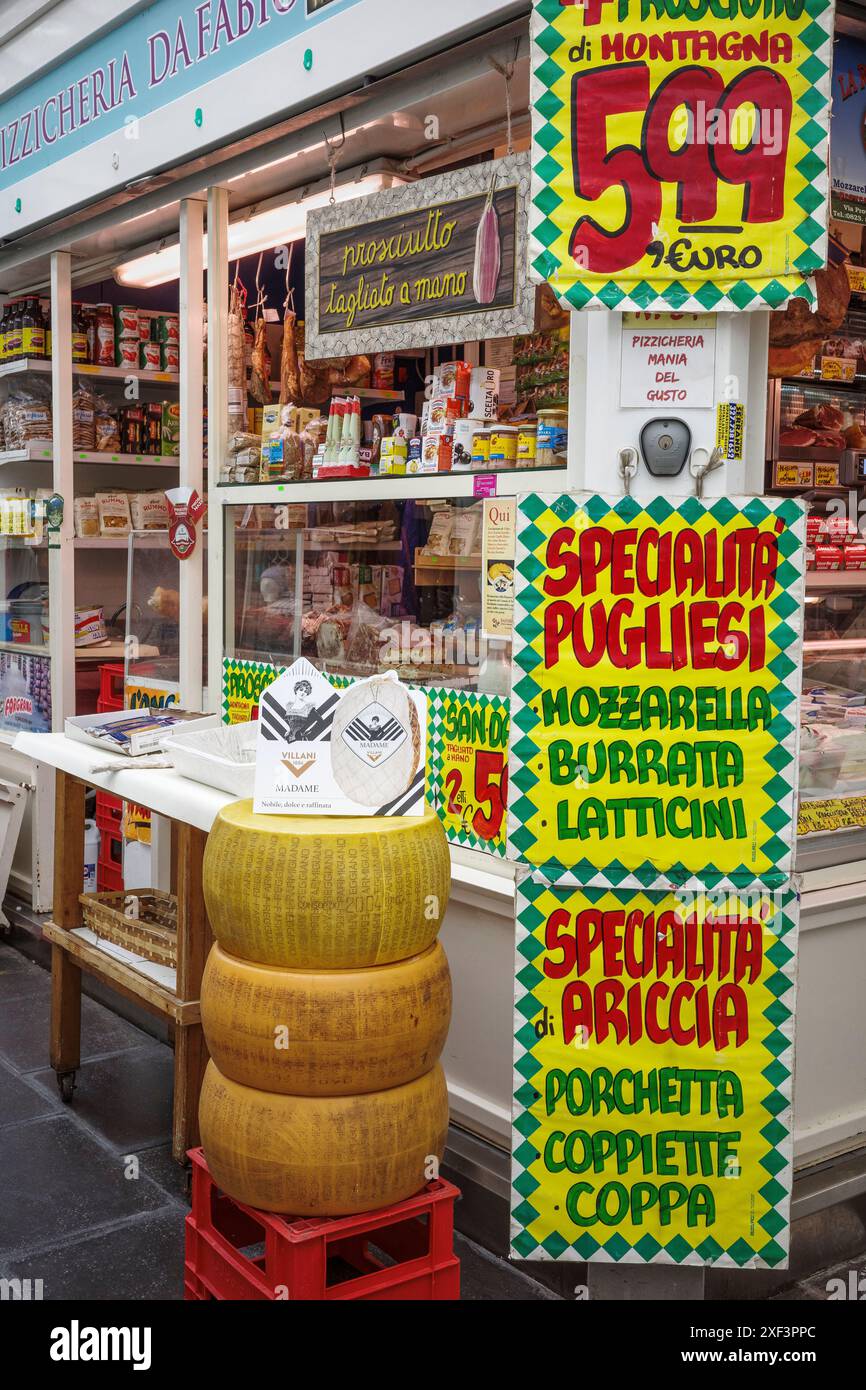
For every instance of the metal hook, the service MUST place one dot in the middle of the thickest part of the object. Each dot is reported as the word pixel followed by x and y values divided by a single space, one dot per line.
pixel 627 468
pixel 701 471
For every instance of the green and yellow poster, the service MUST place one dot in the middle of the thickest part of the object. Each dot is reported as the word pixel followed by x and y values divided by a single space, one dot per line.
pixel 468 767
pixel 655 696
pixel 653 1075
pixel 679 152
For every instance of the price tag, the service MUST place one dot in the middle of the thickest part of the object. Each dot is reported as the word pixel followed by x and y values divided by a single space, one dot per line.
pixel 469 767
pixel 680 152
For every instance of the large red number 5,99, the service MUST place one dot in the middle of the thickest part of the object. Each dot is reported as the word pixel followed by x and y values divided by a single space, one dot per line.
pixel 709 152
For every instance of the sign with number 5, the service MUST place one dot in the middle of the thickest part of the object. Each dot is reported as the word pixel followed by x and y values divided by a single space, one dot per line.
pixel 680 151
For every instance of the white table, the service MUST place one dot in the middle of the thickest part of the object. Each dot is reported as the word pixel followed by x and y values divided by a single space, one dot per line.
pixel 191 808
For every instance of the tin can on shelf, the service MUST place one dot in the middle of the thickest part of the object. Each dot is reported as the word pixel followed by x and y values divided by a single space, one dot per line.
pixel 126 354
pixel 170 357
pixel 481 448
pixel 149 357
pixel 527 446
pixel 552 449
pixel 126 322
pixel 503 446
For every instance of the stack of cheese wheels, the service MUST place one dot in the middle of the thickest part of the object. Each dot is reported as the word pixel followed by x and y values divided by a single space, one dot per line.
pixel 325 1005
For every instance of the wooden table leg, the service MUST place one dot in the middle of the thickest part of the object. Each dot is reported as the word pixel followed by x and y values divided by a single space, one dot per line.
pixel 194 940
pixel 69 811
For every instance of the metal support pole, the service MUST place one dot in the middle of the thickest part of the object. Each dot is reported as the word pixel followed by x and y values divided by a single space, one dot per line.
pixel 217 425
pixel 191 441
pixel 61 556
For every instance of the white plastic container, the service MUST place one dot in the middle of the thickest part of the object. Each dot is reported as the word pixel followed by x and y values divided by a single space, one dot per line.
pixel 91 855
pixel 223 757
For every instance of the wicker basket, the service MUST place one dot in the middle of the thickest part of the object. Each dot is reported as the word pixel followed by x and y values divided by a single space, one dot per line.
pixel 152 934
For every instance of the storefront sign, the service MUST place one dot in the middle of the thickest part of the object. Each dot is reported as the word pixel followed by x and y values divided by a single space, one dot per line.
pixel 668 359
pixel 442 260
pixel 173 47
pixel 653 1076
pixel 321 752
pixel 793 475
pixel 656 681
pixel 468 767
pixel 679 153
pixel 497 567
pixel 848 157
pixel 839 813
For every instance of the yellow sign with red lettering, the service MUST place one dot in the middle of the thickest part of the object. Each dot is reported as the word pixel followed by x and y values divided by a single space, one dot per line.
pixel 655 692
pixel 680 152
pixel 653 1076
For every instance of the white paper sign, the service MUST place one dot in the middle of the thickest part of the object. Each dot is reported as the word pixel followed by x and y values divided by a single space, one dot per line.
pixel 324 752
pixel 668 360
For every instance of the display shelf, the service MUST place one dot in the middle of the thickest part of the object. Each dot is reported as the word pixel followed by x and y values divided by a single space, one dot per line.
pixel 835 579
pixel 24 649
pixel 368 393
pixel 39 451
pixel 30 365
pixel 437 486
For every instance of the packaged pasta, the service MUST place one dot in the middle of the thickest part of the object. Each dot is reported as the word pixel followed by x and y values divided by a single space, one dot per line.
pixel 148 511
pixel 85 516
pixel 114 514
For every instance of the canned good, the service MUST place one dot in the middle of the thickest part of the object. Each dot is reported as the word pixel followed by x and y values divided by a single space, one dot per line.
pixel 527 445
pixel 144 322
pixel 170 357
pixel 126 354
pixel 480 448
pixel 168 328
pixel 149 357
pixel 552 450
pixel 126 322
pixel 464 434
pixel 503 446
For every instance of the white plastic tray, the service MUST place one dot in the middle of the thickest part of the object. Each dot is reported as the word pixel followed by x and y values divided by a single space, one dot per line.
pixel 215 756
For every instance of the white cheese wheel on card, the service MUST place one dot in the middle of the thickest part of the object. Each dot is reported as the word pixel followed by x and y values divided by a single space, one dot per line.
pixel 325 892
pixel 325 1032
pixel 376 742
pixel 322 1155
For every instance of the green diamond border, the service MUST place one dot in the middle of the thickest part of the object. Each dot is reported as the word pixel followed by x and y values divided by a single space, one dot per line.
pixel 806 250
pixel 777 836
pixel 438 702
pixel 752 1252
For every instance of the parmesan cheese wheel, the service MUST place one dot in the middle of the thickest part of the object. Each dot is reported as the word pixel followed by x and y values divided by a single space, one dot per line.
pixel 325 892
pixel 325 1032
pixel 322 1155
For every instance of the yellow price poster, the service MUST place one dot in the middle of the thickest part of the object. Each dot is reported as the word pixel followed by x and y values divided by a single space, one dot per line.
pixel 837 813
pixel 653 1069
pixel 655 691
pixel 680 151
pixel 468 766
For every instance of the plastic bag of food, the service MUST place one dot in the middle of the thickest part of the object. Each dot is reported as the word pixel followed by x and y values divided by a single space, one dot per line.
pixel 27 415
pixel 84 419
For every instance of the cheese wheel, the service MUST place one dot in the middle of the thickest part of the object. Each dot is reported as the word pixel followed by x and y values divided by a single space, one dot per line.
pixel 322 1155
pixel 325 1032
pixel 325 892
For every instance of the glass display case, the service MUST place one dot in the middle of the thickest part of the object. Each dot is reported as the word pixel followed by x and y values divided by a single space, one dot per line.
pixel 362 586
pixel 25 665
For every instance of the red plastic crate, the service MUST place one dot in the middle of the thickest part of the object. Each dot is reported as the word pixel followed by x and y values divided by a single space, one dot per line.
pixel 109 866
pixel 111 688
pixel 234 1252
pixel 109 813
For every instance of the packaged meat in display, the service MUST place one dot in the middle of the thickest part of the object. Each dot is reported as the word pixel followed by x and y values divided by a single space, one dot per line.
pixel 237 375
pixel 815 528
pixel 797 437
pixel 855 556
pixel 840 528
pixel 260 374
